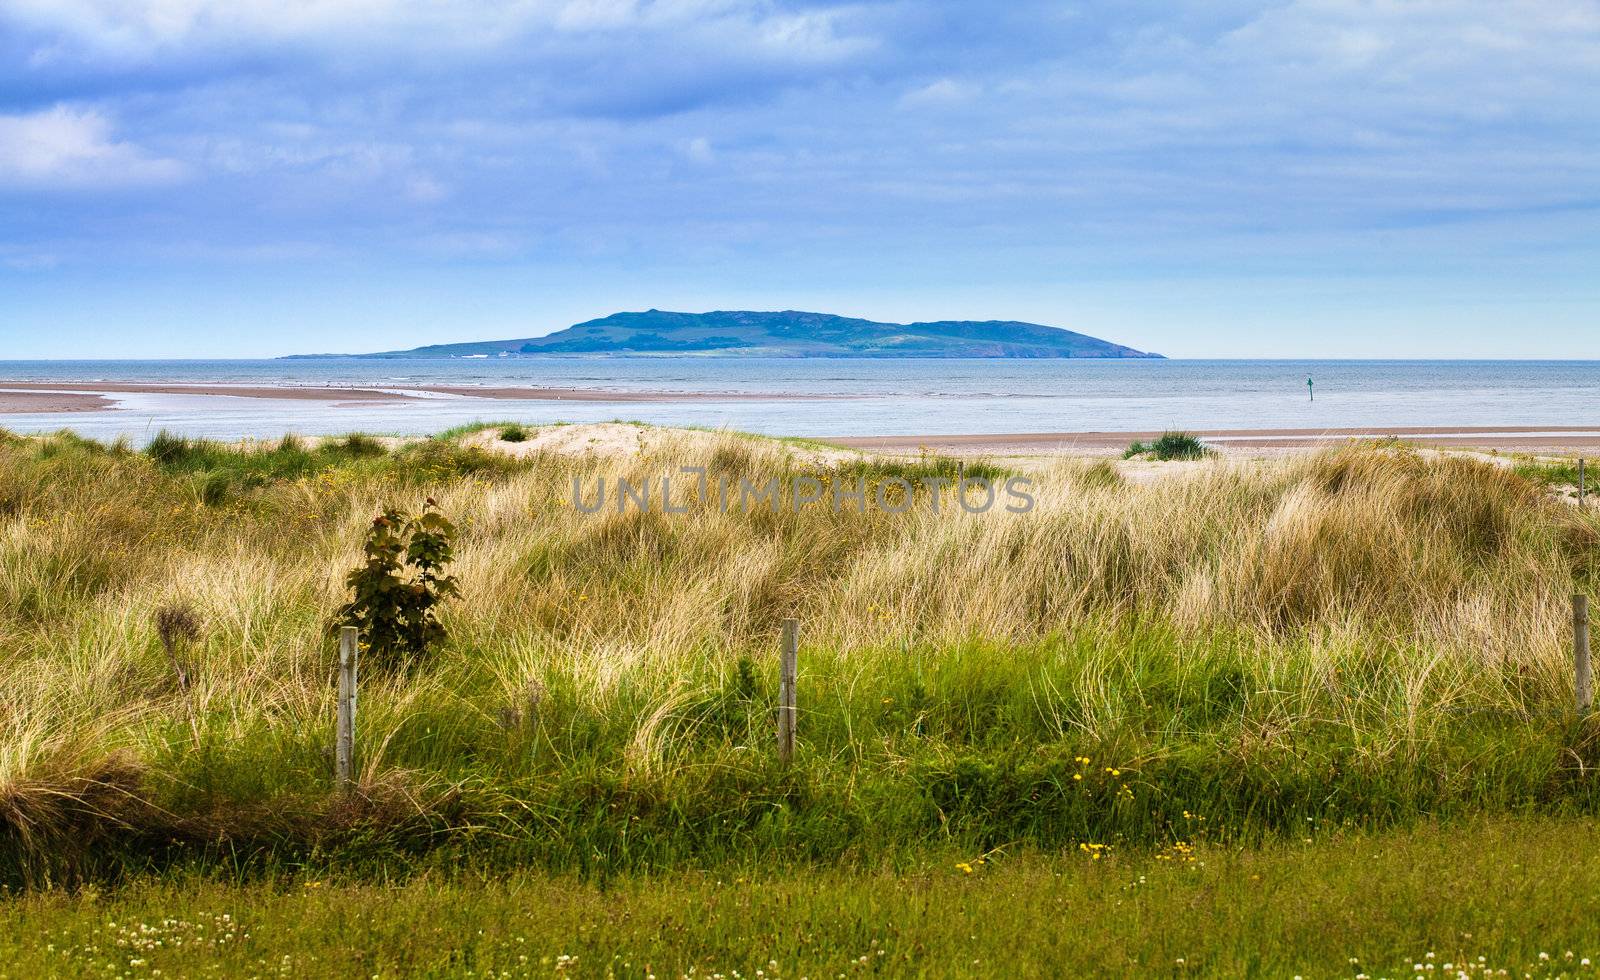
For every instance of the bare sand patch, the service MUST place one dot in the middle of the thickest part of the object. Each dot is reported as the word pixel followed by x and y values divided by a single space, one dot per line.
pixel 285 392
pixel 45 402
pixel 620 440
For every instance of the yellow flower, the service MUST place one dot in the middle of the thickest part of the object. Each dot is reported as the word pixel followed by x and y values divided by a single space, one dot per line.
pixel 963 867
pixel 1077 775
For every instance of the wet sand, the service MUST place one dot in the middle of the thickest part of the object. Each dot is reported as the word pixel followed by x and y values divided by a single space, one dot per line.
pixel 39 396
pixel 41 402
pixel 289 392
pixel 603 395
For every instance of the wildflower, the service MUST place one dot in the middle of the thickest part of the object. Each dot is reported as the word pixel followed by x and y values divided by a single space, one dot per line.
pixel 964 867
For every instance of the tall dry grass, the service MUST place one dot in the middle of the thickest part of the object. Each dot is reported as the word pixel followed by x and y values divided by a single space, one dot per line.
pixel 1339 623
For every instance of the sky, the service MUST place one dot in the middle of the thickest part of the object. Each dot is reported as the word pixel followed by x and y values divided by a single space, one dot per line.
pixel 1305 178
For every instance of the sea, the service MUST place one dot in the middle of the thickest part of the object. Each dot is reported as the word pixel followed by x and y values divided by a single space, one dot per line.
pixel 826 397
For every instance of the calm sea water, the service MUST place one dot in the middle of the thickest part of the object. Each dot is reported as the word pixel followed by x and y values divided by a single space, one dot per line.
pixel 880 397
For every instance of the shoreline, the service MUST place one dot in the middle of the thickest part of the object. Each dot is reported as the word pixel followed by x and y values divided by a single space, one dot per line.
pixel 40 397
pixel 25 398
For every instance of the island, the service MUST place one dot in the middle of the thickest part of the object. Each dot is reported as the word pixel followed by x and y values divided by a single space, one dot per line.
pixel 788 333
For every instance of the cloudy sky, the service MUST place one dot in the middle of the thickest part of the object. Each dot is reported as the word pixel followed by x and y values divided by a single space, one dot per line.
pixel 1303 177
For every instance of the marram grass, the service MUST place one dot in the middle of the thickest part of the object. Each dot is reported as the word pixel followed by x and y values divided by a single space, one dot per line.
pixel 1358 638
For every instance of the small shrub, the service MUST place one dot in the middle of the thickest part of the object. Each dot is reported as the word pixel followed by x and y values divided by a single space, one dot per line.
pixel 215 488
pixel 1171 445
pixel 175 626
pixel 400 585
pixel 357 446
pixel 174 452
pixel 513 433
pixel 437 460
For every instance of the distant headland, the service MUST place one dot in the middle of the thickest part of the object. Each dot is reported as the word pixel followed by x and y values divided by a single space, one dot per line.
pixel 788 333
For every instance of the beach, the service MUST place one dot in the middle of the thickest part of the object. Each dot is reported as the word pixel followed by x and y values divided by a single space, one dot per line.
pixel 881 421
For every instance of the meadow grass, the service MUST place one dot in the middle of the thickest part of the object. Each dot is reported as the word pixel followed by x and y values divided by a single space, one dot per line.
pixel 1355 639
pixel 1487 898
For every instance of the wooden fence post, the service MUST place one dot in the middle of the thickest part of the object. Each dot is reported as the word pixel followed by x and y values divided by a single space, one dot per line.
pixel 1580 651
pixel 1581 487
pixel 344 749
pixel 788 667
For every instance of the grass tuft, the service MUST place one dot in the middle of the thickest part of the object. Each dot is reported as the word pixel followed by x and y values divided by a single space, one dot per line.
pixel 1170 446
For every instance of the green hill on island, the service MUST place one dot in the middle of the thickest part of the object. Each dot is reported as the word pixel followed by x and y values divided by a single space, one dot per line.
pixel 788 334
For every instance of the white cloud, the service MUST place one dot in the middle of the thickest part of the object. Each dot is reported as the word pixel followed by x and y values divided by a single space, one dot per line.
pixel 137 30
pixel 699 150
pixel 944 92
pixel 423 189
pixel 27 259
pixel 1391 40
pixel 62 146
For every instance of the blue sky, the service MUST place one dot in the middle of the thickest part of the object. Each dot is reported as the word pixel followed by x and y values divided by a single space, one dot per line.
pixel 1304 178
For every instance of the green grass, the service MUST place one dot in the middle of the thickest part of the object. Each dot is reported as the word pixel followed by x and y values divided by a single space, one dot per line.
pixel 1170 446
pixel 457 432
pixel 217 473
pixel 1521 894
pixel 1367 640
pixel 902 749
pixel 1559 474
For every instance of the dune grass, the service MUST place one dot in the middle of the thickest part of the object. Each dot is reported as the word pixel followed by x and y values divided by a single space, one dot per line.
pixel 1357 639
